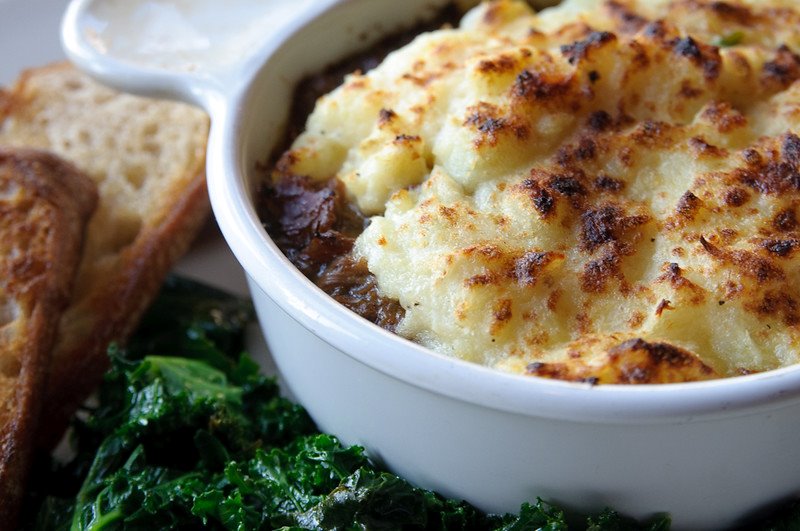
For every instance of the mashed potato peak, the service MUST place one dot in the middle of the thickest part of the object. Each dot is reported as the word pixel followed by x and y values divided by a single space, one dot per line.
pixel 605 191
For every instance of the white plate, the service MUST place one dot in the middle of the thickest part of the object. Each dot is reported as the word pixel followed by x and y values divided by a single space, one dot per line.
pixel 29 37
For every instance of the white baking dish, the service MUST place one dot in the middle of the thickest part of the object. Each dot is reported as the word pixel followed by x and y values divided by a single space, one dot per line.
pixel 710 453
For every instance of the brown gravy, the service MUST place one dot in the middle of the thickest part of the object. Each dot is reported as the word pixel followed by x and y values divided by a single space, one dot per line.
pixel 312 222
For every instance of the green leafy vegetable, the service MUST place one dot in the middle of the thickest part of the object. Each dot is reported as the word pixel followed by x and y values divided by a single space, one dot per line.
pixel 610 520
pixel 187 434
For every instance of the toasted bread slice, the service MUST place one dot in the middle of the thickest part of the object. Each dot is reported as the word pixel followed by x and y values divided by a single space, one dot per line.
pixel 45 204
pixel 147 158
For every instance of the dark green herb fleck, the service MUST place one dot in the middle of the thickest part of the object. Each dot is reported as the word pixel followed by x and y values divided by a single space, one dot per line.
pixel 729 39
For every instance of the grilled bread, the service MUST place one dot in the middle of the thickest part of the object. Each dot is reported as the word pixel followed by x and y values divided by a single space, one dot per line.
pixel 147 158
pixel 45 204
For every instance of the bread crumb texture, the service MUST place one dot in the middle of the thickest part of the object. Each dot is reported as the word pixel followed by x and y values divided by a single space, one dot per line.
pixel 126 147
pixel 604 191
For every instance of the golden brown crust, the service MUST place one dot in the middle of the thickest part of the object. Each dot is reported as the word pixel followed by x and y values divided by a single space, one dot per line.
pixel 113 310
pixel 45 203
pixel 649 148
pixel 147 158
pixel 634 361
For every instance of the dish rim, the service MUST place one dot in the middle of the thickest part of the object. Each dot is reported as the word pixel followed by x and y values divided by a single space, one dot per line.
pixel 419 366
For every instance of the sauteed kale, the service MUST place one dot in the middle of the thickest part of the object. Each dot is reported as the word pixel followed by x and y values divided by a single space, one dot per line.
pixel 187 434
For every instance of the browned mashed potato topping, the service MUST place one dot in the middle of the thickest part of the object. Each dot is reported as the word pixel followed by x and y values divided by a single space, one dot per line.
pixel 603 191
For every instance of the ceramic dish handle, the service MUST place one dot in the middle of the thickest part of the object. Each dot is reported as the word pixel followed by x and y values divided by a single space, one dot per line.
pixel 190 50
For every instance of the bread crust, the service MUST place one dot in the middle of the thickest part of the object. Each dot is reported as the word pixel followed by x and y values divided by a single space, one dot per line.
pixel 147 158
pixel 45 204
pixel 113 309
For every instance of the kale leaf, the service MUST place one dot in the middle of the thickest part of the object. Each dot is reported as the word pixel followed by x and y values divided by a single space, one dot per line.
pixel 188 434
